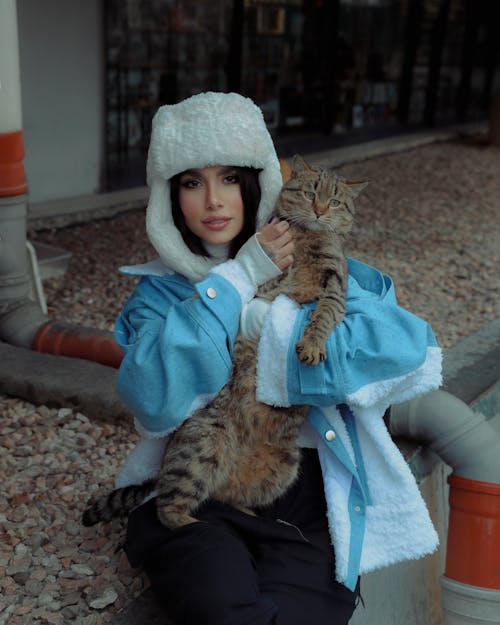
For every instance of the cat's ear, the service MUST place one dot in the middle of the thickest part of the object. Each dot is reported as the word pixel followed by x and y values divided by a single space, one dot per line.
pixel 356 187
pixel 299 165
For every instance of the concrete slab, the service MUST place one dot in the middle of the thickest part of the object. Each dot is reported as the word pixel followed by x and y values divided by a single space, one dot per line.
pixel 472 366
pixel 390 145
pixel 58 381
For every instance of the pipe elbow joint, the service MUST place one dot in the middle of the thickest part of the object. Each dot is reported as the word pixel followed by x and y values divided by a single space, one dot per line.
pixel 463 439
pixel 20 321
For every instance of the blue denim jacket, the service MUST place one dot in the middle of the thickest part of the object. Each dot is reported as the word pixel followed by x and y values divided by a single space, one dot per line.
pixel 177 340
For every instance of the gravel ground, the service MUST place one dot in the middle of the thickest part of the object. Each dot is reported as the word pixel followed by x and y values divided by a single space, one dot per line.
pixel 429 218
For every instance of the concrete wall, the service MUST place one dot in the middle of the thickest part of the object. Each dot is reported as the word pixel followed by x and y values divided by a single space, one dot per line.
pixel 61 58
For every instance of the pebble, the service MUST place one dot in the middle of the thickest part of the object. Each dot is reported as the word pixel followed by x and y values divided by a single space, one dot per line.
pixel 440 244
pixel 102 598
pixel 82 569
pixel 48 560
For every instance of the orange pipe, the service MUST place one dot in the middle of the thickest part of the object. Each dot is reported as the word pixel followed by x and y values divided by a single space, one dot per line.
pixel 473 551
pixel 55 337
pixel 12 178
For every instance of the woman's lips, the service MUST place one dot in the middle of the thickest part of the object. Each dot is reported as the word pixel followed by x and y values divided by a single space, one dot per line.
pixel 218 223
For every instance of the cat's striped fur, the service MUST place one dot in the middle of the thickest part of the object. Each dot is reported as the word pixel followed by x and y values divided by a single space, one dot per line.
pixel 236 449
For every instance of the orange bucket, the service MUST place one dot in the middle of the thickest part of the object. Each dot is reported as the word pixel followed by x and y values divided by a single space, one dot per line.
pixel 473 549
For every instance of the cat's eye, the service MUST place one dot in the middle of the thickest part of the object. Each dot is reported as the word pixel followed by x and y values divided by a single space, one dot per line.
pixel 310 195
pixel 333 203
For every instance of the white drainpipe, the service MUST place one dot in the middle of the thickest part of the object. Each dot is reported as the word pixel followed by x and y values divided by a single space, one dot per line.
pixel 20 318
pixel 470 444
pixel 467 441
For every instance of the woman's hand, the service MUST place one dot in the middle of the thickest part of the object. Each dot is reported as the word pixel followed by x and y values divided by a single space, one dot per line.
pixel 276 240
pixel 267 253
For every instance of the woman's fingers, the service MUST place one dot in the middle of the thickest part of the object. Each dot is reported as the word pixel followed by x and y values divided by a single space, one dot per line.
pixel 277 241
pixel 284 262
pixel 273 230
pixel 284 256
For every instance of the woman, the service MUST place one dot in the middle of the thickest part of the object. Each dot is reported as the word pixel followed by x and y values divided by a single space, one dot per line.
pixel 214 177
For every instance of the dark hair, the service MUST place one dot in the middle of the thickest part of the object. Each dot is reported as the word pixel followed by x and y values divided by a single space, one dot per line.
pixel 250 195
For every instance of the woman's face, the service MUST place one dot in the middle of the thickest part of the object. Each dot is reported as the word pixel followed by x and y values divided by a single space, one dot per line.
pixel 210 200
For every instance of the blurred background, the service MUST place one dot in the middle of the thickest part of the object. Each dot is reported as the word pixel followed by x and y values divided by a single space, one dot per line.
pixel 325 73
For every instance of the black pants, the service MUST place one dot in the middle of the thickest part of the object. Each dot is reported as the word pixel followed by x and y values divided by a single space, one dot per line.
pixel 235 569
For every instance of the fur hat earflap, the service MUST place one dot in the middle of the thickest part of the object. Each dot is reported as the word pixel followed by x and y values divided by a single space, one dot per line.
pixel 205 130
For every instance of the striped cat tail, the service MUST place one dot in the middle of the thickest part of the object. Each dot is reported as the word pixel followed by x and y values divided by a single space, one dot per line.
pixel 118 503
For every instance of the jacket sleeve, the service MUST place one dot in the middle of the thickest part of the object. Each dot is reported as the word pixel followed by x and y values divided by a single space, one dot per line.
pixel 379 353
pixel 177 343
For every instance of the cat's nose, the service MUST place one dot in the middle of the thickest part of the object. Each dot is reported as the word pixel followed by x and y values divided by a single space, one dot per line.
pixel 320 209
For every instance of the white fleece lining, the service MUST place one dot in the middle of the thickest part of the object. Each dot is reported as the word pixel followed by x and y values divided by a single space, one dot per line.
pixel 398 526
pixel 143 462
pixel 397 534
pixel 395 390
pixel 399 515
pixel 145 459
pixel 234 273
pixel 148 433
pixel 273 352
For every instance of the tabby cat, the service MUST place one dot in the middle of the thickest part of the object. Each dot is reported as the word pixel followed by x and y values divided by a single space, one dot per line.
pixel 236 449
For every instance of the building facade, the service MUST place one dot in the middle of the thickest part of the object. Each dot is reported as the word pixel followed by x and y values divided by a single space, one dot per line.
pixel 341 70
pixel 313 66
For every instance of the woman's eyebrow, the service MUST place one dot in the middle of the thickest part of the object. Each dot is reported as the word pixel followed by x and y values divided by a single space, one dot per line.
pixel 227 170
pixel 192 172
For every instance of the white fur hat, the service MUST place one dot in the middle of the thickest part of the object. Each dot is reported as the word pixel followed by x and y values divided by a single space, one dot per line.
pixel 205 130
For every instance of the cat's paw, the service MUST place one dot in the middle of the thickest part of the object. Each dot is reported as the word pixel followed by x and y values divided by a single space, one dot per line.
pixel 248 511
pixel 310 352
pixel 172 518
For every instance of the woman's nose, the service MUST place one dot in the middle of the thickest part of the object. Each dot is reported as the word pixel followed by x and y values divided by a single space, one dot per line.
pixel 213 197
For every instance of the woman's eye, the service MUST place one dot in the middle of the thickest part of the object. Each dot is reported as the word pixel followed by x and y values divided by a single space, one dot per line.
pixel 310 195
pixel 232 179
pixel 333 203
pixel 190 183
